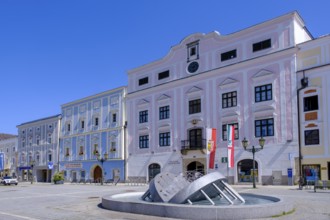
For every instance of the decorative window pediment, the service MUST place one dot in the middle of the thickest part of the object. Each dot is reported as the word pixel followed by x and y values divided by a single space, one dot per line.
pixel 262 74
pixel 143 102
pixel 163 97
pixel 229 82
pixel 194 89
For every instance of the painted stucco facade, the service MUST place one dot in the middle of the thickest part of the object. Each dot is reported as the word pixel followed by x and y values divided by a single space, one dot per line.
pixel 91 127
pixel 9 148
pixel 38 144
pixel 192 85
pixel 313 64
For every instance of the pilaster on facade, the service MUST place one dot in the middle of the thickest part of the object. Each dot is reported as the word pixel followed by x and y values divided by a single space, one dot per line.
pixel 38 146
pixel 8 149
pixel 210 81
pixel 93 128
pixel 313 67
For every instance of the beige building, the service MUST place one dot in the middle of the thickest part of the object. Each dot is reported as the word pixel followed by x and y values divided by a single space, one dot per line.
pixel 313 72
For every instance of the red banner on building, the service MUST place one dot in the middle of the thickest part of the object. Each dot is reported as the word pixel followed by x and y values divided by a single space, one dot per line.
pixel 211 145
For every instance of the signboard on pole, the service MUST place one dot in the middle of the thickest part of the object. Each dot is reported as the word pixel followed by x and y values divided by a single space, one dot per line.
pixel 50 165
pixel 2 161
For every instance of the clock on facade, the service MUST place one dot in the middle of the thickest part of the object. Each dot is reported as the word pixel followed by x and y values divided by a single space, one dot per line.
pixel 193 67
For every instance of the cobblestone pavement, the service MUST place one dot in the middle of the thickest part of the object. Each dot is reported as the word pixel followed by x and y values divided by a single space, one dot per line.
pixel 308 204
pixel 45 201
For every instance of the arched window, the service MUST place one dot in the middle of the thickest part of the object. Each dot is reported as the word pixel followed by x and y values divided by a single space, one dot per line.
pixel 153 170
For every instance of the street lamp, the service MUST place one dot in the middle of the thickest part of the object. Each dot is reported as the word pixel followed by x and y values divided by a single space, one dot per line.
pixel 32 165
pixel 245 144
pixel 102 160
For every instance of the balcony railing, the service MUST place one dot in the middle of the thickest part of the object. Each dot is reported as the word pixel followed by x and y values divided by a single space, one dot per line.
pixel 193 145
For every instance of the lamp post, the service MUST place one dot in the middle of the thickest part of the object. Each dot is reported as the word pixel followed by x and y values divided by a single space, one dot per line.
pixel 245 144
pixel 102 160
pixel 32 165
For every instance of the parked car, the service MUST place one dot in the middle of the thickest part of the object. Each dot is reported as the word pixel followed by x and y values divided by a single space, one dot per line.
pixel 8 180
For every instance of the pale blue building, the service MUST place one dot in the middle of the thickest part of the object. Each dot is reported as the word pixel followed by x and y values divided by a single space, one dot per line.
pixel 38 145
pixel 92 137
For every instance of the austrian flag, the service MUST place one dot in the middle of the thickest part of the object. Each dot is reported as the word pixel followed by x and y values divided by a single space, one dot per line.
pixel 230 137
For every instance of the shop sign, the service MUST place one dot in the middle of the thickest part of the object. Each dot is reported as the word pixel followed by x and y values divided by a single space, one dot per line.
pixel 73 165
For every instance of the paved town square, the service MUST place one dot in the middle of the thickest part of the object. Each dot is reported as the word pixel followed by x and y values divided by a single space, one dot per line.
pixel 83 201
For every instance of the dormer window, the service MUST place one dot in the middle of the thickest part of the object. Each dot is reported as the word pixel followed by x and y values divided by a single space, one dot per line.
pixel 163 75
pixel 143 81
pixel 193 51
pixel 261 45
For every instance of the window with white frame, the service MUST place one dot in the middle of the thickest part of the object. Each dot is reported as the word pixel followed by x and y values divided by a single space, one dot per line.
pixel 113 145
pixel 81 150
pixel 82 124
pixel 264 127
pixel 193 51
pixel 311 103
pixel 114 117
pixel 312 137
pixel 164 139
pixel 143 116
pixel 38 140
pixel 143 141
pixel 263 93
pixel 164 112
pixel 229 99
pixel 225 132
pixel 49 138
pixel 96 149
pixel 96 121
pixel 30 141
pixel 195 106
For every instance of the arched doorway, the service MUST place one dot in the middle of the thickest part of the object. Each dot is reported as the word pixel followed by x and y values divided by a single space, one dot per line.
pixel 245 170
pixel 153 170
pixel 97 174
pixel 196 167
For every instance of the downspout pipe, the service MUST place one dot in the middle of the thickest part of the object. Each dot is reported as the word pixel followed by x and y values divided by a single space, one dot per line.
pixel 304 84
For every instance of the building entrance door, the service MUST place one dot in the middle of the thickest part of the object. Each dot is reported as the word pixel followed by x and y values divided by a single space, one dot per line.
pixel 245 170
pixel 97 174
pixel 154 169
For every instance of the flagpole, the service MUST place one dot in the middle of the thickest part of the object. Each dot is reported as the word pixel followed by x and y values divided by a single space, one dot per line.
pixel 227 154
pixel 207 150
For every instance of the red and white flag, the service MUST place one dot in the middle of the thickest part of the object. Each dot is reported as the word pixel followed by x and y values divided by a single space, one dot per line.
pixel 230 137
pixel 211 145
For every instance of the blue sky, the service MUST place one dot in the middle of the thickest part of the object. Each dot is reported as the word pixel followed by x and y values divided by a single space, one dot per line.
pixel 56 51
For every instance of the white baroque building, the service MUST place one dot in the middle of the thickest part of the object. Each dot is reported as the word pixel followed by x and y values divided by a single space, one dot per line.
pixel 38 146
pixel 246 79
